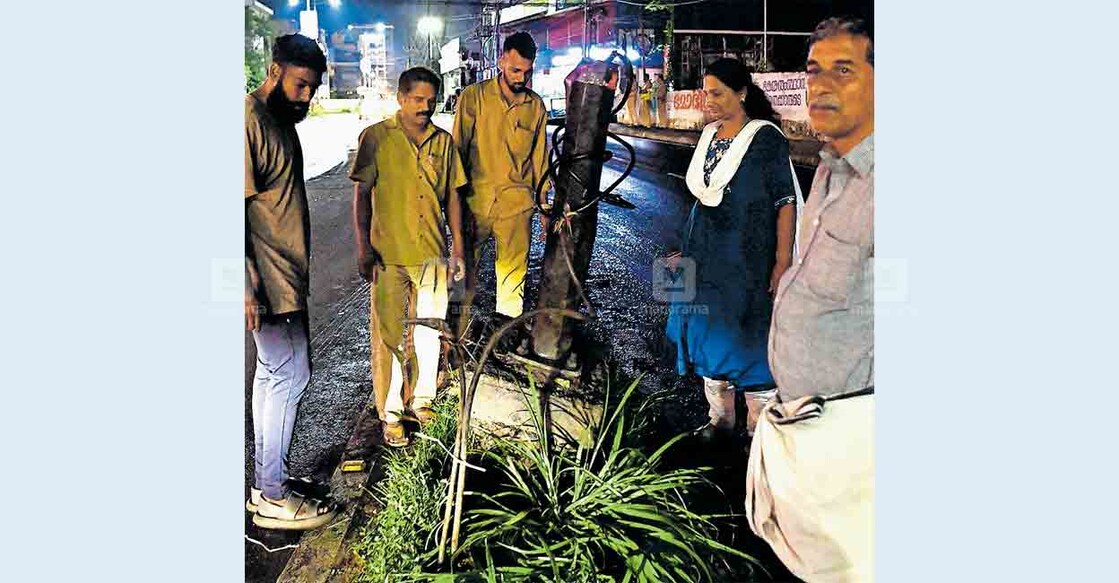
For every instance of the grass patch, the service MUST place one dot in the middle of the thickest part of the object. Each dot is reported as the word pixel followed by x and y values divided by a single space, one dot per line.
pixel 553 509
pixel 605 511
pixel 411 494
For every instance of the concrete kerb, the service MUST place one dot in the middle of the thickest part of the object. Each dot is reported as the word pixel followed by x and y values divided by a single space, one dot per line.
pixel 321 550
pixel 502 407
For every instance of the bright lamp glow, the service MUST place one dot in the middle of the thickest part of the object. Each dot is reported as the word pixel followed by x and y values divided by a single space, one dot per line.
pixel 294 2
pixel 334 3
pixel 569 58
pixel 379 27
pixel 430 25
pixel 600 53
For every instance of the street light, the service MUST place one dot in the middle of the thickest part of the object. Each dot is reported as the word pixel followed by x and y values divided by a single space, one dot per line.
pixel 309 18
pixel 311 3
pixel 430 26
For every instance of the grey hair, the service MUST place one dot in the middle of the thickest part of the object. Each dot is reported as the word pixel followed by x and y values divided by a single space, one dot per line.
pixel 839 25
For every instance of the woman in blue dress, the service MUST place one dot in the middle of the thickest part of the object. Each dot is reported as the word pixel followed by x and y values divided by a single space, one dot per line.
pixel 736 243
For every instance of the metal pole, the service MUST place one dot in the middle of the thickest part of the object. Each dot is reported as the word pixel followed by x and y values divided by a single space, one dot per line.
pixel 586 26
pixel 765 31
pixel 567 252
pixel 497 33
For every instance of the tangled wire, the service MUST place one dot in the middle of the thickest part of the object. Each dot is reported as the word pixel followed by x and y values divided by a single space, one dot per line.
pixel 561 163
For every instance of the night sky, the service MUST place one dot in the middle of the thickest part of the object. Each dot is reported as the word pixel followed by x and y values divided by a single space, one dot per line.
pixel 399 13
pixel 784 15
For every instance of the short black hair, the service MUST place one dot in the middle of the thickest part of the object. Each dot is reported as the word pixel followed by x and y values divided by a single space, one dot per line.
pixel 417 75
pixel 521 42
pixel 838 25
pixel 299 51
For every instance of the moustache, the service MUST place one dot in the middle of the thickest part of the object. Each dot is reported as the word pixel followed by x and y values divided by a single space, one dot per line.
pixel 425 114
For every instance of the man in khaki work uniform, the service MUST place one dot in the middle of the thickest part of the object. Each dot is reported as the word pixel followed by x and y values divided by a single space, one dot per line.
pixel 500 130
pixel 406 172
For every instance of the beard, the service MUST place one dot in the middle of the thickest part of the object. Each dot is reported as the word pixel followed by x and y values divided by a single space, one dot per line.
pixel 286 111
pixel 514 87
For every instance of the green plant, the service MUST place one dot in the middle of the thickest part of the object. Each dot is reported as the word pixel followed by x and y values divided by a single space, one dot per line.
pixel 317 109
pixel 569 512
pixel 258 48
pixel 396 538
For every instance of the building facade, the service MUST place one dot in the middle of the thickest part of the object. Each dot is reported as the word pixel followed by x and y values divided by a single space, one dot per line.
pixel 360 61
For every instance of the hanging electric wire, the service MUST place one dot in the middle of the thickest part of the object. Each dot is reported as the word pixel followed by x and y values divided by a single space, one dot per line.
pixel 661 4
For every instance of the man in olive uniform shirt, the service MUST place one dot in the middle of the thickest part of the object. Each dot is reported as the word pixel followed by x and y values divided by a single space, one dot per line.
pixel 406 172
pixel 500 131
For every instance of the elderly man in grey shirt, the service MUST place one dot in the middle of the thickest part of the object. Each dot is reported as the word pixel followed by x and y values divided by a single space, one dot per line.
pixel 810 480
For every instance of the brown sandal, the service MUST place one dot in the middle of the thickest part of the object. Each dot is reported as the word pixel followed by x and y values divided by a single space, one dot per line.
pixel 425 415
pixel 394 435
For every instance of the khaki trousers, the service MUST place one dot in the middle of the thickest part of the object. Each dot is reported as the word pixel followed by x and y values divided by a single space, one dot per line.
pixel 405 360
pixel 512 236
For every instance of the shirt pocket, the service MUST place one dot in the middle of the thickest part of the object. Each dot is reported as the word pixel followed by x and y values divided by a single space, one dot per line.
pixel 521 140
pixel 830 267
pixel 431 164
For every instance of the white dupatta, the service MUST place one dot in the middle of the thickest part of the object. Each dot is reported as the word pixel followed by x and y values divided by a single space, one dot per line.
pixel 712 194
